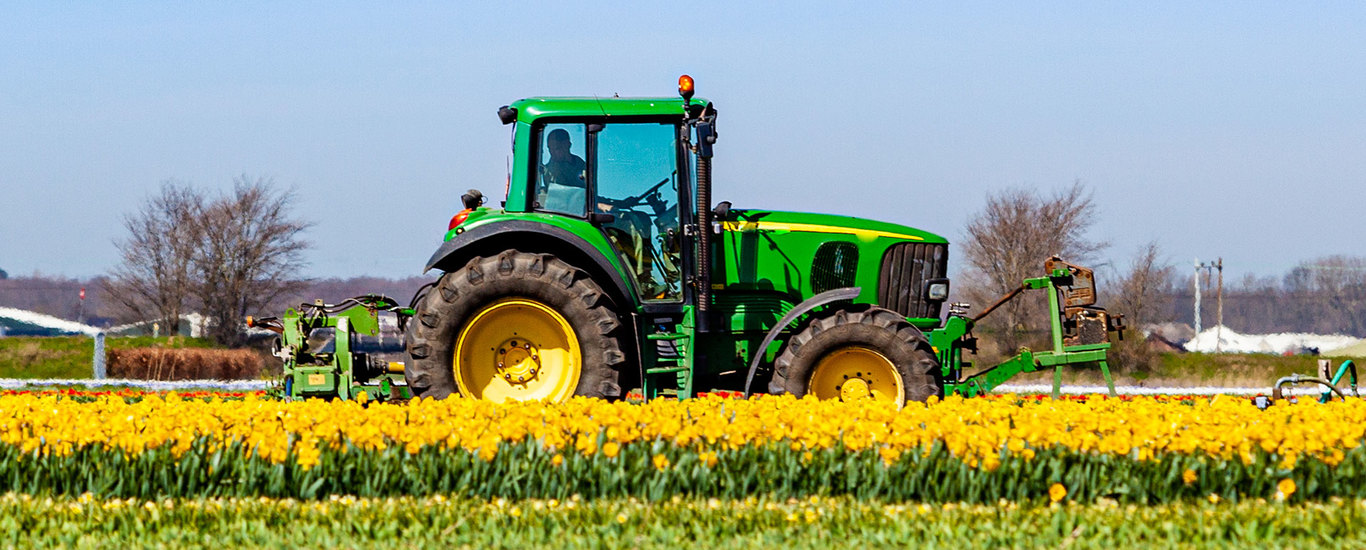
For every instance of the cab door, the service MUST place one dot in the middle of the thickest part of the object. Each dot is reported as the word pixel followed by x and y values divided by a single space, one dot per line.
pixel 636 183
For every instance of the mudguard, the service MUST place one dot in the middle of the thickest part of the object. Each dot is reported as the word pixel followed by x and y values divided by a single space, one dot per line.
pixel 827 297
pixel 517 230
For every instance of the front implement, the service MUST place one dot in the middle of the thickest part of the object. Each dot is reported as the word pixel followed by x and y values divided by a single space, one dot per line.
pixel 1079 334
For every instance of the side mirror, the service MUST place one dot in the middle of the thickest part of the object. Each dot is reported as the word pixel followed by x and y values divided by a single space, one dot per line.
pixel 472 199
pixel 706 136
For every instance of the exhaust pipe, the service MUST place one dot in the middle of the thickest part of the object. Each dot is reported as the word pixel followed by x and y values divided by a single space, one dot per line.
pixel 705 126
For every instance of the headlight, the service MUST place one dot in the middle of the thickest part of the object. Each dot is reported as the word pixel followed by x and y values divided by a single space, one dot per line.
pixel 937 291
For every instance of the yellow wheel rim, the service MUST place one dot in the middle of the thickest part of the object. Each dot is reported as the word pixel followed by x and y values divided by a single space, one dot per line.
pixel 857 373
pixel 517 349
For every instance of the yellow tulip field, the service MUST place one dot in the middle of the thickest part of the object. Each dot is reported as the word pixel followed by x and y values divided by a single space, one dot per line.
pixel 91 469
pixel 1143 450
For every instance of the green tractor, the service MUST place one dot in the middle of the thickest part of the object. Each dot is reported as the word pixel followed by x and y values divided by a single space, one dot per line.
pixel 607 269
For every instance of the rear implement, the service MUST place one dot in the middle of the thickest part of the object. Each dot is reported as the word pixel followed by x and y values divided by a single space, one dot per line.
pixel 340 350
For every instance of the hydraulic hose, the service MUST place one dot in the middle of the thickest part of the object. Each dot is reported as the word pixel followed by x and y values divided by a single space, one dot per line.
pixel 1003 300
pixel 1277 393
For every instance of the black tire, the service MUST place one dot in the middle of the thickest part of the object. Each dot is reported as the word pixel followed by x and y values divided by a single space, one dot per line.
pixel 441 314
pixel 875 328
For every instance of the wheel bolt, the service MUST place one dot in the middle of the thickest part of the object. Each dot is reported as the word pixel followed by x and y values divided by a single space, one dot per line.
pixel 520 379
pixel 527 346
pixel 500 364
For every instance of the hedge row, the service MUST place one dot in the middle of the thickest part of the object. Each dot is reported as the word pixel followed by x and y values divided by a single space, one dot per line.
pixel 184 364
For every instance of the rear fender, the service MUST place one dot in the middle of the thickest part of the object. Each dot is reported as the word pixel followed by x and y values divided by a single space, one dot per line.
pixel 530 236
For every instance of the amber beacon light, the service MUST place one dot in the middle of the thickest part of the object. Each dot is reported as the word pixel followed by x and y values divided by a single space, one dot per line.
pixel 685 87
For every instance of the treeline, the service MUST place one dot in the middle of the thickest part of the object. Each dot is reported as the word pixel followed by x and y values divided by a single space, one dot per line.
pixel 1325 295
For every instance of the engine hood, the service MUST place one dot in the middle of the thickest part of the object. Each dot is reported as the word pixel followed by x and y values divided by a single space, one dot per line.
pixel 861 228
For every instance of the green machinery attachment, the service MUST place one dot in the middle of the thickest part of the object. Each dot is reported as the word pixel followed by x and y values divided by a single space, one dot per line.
pixel 1079 330
pixel 339 350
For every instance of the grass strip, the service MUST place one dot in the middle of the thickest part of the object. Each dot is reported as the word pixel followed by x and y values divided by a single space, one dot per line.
pixel 407 522
pixel 70 357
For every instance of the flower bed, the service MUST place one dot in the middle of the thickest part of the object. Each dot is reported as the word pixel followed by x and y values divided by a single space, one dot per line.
pixel 982 450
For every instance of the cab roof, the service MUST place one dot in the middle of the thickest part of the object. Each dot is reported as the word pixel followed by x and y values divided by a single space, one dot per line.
pixel 532 108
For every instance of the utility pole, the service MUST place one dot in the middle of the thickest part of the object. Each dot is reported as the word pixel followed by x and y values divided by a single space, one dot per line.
pixel 1204 269
pixel 1219 332
pixel 1196 280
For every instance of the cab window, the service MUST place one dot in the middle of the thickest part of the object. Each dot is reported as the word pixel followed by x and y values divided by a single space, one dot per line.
pixel 561 171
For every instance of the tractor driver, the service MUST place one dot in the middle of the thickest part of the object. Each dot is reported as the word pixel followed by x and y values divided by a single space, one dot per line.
pixel 562 176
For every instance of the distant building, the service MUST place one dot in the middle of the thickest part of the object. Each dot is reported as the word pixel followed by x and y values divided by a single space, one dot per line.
pixel 18 322
pixel 3 274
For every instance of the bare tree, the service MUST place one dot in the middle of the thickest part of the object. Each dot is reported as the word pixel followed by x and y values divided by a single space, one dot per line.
pixel 250 252
pixel 153 281
pixel 1146 288
pixel 1009 241
pixel 1141 295
pixel 230 255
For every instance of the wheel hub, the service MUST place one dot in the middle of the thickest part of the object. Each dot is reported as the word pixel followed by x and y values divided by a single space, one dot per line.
pixel 854 389
pixel 518 361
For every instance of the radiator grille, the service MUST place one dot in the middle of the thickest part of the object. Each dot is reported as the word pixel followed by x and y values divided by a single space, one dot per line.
pixel 834 266
pixel 901 283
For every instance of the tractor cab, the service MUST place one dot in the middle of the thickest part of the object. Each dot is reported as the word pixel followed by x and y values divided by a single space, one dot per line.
pixel 616 173
pixel 624 178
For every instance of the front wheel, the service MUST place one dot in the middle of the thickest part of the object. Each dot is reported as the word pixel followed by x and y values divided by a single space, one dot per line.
pixel 516 326
pixel 873 354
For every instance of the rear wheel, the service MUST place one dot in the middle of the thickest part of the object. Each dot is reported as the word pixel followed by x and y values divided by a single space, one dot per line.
pixel 515 326
pixel 858 355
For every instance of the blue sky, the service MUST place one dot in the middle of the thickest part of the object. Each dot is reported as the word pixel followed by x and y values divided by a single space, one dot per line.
pixel 1218 129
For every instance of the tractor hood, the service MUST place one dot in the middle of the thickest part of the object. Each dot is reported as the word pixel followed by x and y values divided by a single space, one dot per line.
pixel 804 222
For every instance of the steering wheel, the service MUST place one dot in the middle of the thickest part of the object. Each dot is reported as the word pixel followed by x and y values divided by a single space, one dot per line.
pixel 636 200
